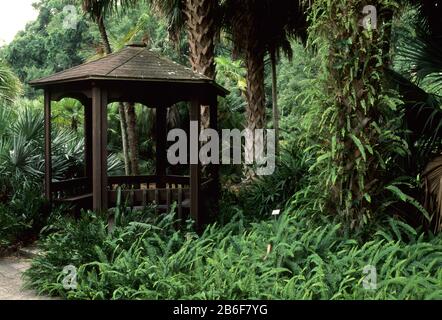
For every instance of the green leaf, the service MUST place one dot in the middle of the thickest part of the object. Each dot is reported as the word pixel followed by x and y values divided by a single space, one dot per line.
pixel 358 143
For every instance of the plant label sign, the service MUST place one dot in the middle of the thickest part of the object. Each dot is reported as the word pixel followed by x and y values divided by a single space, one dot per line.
pixel 276 212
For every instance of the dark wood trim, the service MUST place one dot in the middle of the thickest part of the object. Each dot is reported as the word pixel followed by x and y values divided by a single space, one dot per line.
pixel 132 180
pixel 104 153
pixel 88 141
pixel 195 169
pixel 69 184
pixel 161 197
pixel 161 143
pixel 214 168
pixel 48 149
pixel 99 149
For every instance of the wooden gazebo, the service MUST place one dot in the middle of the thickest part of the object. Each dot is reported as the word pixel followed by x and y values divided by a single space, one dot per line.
pixel 136 75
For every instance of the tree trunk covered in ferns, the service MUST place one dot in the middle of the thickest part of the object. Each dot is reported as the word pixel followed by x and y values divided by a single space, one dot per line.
pixel 357 112
pixel 201 28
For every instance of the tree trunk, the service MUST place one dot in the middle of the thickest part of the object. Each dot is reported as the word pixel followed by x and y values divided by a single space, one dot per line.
pixel 256 112
pixel 132 138
pixel 124 138
pixel 104 37
pixel 275 99
pixel 121 111
pixel 202 32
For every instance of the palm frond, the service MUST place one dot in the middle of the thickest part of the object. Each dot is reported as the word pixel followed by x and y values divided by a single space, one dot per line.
pixel 419 51
pixel 432 178
pixel 10 86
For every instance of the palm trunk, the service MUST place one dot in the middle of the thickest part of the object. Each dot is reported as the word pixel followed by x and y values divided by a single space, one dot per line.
pixel 132 138
pixel 256 112
pixel 275 99
pixel 104 37
pixel 202 31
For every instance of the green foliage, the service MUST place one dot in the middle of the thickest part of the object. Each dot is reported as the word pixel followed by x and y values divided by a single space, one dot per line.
pixel 21 218
pixel 10 86
pixel 353 124
pixel 268 193
pixel 45 46
pixel 146 258
pixel 22 166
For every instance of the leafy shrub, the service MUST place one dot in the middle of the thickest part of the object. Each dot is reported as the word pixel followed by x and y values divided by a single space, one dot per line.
pixel 271 192
pixel 21 219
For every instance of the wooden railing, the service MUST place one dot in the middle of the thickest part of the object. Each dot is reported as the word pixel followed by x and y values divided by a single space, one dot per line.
pixel 147 181
pixel 162 191
pixel 136 191
pixel 163 199
pixel 70 188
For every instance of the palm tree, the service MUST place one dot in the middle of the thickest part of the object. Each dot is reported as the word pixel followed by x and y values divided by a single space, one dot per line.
pixel 257 27
pixel 10 86
pixel 199 18
pixel 288 20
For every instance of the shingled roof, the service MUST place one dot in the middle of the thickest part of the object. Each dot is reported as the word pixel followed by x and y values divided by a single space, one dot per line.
pixel 134 62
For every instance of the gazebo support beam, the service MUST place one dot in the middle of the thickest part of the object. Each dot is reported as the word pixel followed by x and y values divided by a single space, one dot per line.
pixel 48 149
pixel 99 149
pixel 161 141
pixel 214 168
pixel 88 143
pixel 195 168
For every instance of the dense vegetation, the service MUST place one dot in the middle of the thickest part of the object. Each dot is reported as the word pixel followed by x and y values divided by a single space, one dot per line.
pixel 358 176
pixel 145 257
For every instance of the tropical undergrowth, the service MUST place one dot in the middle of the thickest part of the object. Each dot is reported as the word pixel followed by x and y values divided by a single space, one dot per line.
pixel 293 257
pixel 22 211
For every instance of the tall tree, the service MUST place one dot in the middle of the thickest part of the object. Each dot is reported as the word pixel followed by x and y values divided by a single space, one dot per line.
pixel 97 9
pixel 244 20
pixel 199 18
pixel 288 20
pixel 356 111
pixel 257 27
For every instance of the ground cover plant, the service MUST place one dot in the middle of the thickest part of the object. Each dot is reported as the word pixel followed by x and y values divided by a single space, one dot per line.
pixel 145 257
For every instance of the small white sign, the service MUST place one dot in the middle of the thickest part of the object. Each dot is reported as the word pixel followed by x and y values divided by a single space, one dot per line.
pixel 276 212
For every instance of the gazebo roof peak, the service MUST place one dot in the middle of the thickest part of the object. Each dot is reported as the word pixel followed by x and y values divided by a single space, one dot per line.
pixel 133 63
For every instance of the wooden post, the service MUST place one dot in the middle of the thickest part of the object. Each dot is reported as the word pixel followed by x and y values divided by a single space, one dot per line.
pixel 195 168
pixel 48 149
pixel 88 143
pixel 214 168
pixel 99 149
pixel 161 136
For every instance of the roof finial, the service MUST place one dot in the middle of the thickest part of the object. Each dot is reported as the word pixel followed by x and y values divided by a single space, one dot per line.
pixel 137 45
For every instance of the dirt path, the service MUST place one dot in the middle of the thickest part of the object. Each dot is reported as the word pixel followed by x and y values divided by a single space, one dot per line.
pixel 11 282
